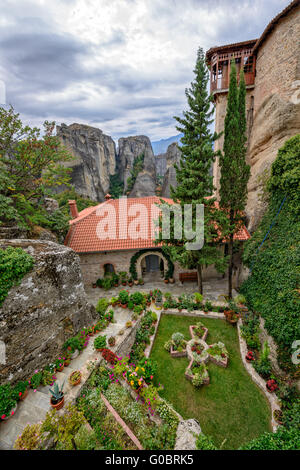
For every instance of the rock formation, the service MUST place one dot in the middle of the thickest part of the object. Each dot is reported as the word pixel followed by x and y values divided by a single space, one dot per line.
pixel 95 159
pixel 173 156
pixel 47 307
pixel 129 149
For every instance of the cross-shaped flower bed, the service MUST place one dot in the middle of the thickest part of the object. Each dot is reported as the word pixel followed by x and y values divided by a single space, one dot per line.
pixel 199 353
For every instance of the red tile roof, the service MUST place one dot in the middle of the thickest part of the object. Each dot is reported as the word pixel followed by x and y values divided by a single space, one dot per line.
pixel 82 236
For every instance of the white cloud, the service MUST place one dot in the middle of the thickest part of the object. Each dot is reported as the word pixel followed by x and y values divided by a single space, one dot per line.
pixel 122 65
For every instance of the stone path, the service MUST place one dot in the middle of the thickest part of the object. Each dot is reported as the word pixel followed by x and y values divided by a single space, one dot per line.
pixel 212 289
pixel 35 406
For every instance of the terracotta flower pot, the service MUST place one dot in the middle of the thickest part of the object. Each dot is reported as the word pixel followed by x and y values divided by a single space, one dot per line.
pixel 76 381
pixel 60 369
pixel 124 305
pixel 166 281
pixel 24 395
pixel 12 412
pixel 58 405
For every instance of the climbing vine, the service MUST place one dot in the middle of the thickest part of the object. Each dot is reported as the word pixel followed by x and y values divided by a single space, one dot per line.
pixel 273 287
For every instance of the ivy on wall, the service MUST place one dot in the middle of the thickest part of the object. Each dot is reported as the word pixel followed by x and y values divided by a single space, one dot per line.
pixel 273 286
pixel 136 256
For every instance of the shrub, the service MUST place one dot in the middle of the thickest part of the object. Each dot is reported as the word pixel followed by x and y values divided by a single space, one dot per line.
pixel 137 298
pixel 30 439
pixel 138 309
pixel 14 264
pixel 205 443
pixel 123 297
pixel 102 306
pixel 282 439
pixel 100 342
pixel 109 356
pixel 177 338
pixel 263 365
pixel 7 401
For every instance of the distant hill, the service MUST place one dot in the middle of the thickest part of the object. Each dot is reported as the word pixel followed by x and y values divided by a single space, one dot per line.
pixel 160 146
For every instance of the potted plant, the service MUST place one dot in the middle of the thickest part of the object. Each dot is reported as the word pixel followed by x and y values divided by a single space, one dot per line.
pixel 94 285
pixel 111 341
pixel 57 398
pixel 114 301
pixel 123 277
pixel 99 282
pixel 171 280
pixel 128 324
pixel 141 282
pixel 130 282
pixel 100 343
pixel 123 298
pixel 67 359
pixel 166 280
pixel 59 364
pixel 271 385
pixel 250 356
pixel 115 279
pixel 136 282
pixel 75 378
pixel 8 404
pixel 20 390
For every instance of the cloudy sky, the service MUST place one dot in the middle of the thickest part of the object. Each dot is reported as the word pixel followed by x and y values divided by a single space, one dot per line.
pixel 120 65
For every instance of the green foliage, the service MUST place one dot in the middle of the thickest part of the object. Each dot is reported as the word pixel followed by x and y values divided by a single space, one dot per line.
pixel 116 186
pixel 30 439
pixel 63 427
pixel 235 172
pixel 272 287
pixel 250 331
pixel 7 400
pixel 195 182
pixel 123 297
pixel 14 264
pixel 64 197
pixel 102 306
pixel 263 364
pixel 57 392
pixel 282 439
pixel 100 342
pixel 205 443
pixel 135 257
pixel 31 166
pixel 137 298
pixel 138 166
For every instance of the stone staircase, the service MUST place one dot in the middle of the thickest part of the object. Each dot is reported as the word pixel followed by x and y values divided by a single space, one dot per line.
pixel 35 406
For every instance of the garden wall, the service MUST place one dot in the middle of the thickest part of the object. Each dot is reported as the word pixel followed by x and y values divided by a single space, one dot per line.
pixel 47 307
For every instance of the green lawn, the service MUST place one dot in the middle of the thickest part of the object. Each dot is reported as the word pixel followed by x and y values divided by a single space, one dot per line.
pixel 231 407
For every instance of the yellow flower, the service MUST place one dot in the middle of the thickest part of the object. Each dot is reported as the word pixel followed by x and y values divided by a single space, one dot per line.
pixel 131 382
pixel 140 383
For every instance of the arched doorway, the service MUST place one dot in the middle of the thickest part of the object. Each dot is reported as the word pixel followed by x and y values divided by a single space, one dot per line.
pixel 152 265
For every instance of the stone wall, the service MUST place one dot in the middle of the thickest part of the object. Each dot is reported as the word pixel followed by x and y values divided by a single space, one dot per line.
pixel 47 307
pixel 276 112
pixel 273 106
pixel 92 265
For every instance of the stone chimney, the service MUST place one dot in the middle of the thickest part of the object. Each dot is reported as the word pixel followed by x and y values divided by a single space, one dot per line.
pixel 73 209
pixel 108 197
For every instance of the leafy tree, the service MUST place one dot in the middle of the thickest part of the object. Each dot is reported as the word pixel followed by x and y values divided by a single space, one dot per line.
pixel 31 165
pixel 138 166
pixel 234 170
pixel 195 183
pixel 116 186
pixel 70 194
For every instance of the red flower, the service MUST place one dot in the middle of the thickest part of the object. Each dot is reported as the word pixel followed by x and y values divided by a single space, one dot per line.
pixel 20 394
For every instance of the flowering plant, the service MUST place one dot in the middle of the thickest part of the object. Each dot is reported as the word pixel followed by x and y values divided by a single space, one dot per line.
pixel 109 356
pixel 7 401
pixel 250 356
pixel 271 385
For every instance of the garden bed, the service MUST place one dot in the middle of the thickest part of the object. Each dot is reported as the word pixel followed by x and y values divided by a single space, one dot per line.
pixel 231 408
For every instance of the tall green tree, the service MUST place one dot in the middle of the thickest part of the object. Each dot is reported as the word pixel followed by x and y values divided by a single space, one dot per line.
pixel 193 174
pixel 31 165
pixel 234 170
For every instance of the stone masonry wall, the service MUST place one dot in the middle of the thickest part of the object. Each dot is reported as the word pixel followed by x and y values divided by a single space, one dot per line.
pixel 92 265
pixel 275 101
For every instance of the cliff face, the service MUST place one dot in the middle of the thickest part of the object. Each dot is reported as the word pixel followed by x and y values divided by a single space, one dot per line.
pixel 173 156
pixel 129 149
pixel 94 162
pixel 47 307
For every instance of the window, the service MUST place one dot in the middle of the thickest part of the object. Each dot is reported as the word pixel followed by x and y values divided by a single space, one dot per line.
pixel 248 64
pixel 109 268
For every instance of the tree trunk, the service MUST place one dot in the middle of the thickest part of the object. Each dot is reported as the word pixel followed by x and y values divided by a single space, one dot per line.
pixel 200 287
pixel 230 252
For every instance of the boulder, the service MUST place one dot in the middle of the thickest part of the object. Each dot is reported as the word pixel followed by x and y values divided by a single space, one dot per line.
pixel 47 307
pixel 128 150
pixel 186 435
pixel 94 159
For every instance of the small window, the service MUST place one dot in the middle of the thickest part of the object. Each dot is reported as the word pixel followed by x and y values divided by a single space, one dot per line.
pixel 248 64
pixel 109 268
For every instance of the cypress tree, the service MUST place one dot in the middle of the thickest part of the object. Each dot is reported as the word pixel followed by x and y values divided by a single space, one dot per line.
pixel 234 170
pixel 193 174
